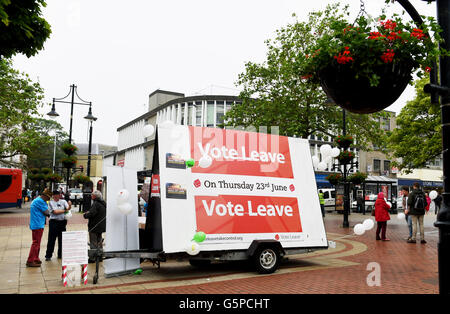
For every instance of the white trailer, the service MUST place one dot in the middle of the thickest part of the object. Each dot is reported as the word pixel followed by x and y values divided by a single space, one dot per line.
pixel 254 196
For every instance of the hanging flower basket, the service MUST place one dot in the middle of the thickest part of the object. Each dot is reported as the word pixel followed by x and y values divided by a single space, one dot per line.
pixel 357 178
pixel 345 157
pixel 69 162
pixel 69 149
pixel 356 95
pixel 334 178
pixel 81 179
pixel 365 65
pixel 344 141
pixel 53 177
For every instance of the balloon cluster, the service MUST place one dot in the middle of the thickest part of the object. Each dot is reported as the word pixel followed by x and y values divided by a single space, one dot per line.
pixel 359 229
pixel 193 247
pixel 122 202
pixel 327 153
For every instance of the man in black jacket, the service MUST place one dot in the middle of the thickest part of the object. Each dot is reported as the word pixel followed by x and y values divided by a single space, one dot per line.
pixel 97 220
pixel 417 212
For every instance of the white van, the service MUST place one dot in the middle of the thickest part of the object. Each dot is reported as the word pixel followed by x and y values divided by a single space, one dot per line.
pixel 329 196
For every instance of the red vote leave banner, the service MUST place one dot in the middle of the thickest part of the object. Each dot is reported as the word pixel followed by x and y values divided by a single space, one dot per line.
pixel 227 214
pixel 241 153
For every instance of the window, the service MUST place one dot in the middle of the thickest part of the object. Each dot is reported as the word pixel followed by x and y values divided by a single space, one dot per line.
pixel 198 113
pixel 182 114
pixel 210 114
pixel 219 112
pixel 376 165
pixel 385 124
pixel 387 166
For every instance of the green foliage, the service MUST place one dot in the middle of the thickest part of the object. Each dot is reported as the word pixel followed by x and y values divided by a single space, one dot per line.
pixel 357 178
pixel 69 149
pixel 334 178
pixel 69 161
pixel 275 94
pixel 42 155
pixel 372 42
pixel 20 99
pixel 81 178
pixel 22 29
pixel 54 177
pixel 418 137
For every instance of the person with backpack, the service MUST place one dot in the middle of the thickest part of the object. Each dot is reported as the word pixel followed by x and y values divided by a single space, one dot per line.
pixel 417 203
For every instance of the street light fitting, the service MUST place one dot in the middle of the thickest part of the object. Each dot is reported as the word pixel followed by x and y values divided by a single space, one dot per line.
pixel 53 114
pixel 89 116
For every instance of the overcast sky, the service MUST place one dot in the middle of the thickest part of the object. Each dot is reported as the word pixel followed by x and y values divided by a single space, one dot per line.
pixel 118 52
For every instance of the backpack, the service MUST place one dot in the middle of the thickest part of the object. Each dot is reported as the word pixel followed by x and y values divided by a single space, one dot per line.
pixel 420 202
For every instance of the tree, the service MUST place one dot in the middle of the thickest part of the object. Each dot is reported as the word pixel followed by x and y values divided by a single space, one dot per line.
pixel 274 94
pixel 22 29
pixel 42 156
pixel 418 137
pixel 20 99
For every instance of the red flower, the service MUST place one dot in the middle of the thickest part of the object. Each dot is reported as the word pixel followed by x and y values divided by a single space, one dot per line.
pixel 388 56
pixel 389 24
pixel 376 35
pixel 428 69
pixel 344 57
pixel 418 33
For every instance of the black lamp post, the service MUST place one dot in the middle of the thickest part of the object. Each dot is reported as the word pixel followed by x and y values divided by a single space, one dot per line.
pixel 53 115
pixel 91 119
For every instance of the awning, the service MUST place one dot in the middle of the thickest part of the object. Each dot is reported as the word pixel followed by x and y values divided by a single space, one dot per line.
pixel 410 182
pixel 381 179
pixel 321 182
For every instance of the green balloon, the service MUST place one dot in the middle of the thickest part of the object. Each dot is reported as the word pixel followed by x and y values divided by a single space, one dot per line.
pixel 138 271
pixel 199 237
pixel 190 163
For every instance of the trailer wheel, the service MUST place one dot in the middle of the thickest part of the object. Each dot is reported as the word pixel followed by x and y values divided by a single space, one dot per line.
pixel 266 259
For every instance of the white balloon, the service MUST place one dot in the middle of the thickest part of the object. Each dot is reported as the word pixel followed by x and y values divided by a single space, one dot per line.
pixel 205 161
pixel 315 161
pixel 368 224
pixel 193 248
pixel 327 159
pixel 400 216
pixel 433 194
pixel 125 208
pixel 123 196
pixel 335 152
pixel 325 150
pixel 322 166
pixel 168 124
pixel 359 229
pixel 389 204
pixel 148 130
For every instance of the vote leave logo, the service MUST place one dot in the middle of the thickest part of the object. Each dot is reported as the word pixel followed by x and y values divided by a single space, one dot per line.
pixel 197 183
pixel 292 188
pixel 241 153
pixel 225 214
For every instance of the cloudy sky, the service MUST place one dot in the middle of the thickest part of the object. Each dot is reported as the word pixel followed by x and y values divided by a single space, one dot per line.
pixel 118 52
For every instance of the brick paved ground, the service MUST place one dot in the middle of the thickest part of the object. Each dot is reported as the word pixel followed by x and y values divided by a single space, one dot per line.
pixel 405 268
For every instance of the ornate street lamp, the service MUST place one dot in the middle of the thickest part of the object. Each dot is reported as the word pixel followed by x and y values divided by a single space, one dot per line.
pixel 53 115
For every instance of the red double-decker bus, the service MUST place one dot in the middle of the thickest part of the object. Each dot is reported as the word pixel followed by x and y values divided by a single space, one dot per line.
pixel 10 187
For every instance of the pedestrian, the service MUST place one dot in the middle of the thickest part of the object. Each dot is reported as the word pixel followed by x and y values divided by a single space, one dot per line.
pixel 427 208
pixel 437 203
pixel 38 212
pixel 24 195
pixel 57 223
pixel 405 193
pixel 360 204
pixel 416 208
pixel 97 221
pixel 322 202
pixel 381 216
